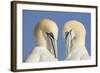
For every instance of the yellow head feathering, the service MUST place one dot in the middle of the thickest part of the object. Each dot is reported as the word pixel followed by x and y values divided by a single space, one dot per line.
pixel 45 25
pixel 77 27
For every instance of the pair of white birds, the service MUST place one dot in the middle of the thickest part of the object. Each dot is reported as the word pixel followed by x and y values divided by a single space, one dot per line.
pixel 46 33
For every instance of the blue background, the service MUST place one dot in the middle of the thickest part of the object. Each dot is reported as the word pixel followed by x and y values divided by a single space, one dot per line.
pixel 32 17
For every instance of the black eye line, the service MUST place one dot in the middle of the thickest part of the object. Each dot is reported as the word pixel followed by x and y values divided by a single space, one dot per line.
pixel 70 31
pixel 50 34
pixel 67 33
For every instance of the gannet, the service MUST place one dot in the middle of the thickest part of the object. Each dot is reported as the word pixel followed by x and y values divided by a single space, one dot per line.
pixel 45 33
pixel 74 35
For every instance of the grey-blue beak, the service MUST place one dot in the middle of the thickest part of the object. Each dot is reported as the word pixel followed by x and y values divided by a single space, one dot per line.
pixel 68 39
pixel 53 43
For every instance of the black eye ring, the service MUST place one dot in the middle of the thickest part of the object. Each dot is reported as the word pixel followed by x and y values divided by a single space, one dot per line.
pixel 50 34
pixel 67 33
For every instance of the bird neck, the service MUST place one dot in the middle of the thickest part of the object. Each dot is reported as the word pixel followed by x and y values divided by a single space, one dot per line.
pixel 78 42
pixel 39 39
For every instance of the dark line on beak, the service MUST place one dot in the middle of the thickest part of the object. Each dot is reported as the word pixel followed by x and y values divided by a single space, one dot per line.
pixel 50 35
pixel 66 36
pixel 53 47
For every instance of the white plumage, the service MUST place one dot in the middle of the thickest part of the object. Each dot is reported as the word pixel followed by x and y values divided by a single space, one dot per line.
pixel 40 54
pixel 74 34
pixel 46 32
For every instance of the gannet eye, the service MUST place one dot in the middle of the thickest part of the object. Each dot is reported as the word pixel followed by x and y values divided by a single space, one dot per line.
pixel 67 33
pixel 70 31
pixel 52 41
pixel 50 34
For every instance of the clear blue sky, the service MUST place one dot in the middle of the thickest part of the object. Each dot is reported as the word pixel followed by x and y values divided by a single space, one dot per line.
pixel 31 18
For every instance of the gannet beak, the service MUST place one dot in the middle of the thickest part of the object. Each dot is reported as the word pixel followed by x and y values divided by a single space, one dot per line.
pixel 68 39
pixel 53 43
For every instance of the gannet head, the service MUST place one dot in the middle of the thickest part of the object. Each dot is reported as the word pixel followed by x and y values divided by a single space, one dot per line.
pixel 74 34
pixel 47 32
